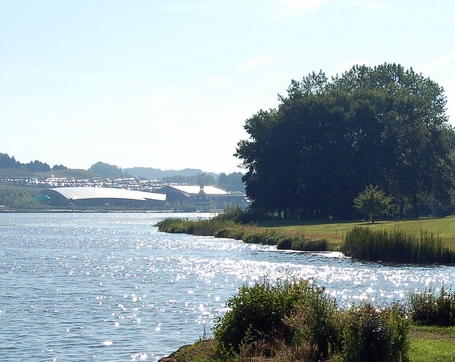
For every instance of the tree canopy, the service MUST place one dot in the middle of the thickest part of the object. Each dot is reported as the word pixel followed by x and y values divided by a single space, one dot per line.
pixel 7 162
pixel 106 170
pixel 328 139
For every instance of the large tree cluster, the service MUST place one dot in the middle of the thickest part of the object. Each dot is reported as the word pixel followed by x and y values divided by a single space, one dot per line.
pixel 328 139
pixel 7 162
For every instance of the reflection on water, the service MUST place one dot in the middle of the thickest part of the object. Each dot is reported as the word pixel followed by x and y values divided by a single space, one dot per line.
pixel 110 287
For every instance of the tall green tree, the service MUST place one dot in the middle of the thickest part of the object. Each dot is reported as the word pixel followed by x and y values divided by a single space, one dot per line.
pixel 327 139
pixel 231 182
pixel 417 155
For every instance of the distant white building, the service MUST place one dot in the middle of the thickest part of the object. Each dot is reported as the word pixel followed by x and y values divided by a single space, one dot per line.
pixel 201 196
pixel 100 196
pixel 189 193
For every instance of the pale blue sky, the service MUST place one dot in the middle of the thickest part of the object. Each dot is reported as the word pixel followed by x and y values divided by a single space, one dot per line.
pixel 168 84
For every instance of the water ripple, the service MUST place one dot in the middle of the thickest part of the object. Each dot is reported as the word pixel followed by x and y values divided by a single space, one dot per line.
pixel 110 287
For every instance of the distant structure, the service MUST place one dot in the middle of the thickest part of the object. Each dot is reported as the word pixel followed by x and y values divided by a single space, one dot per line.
pixel 189 193
pixel 201 196
pixel 100 197
pixel 177 197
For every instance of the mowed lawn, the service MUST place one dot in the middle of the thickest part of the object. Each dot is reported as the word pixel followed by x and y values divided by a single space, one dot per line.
pixel 335 231
pixel 435 344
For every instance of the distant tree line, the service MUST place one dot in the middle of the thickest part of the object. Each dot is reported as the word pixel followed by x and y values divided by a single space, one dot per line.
pixel 106 170
pixel 227 182
pixel 328 139
pixel 7 162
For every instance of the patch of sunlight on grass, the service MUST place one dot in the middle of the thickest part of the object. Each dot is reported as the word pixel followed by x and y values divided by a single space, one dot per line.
pixel 335 231
pixel 432 350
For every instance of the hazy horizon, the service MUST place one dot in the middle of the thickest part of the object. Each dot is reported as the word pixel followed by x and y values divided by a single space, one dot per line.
pixel 169 84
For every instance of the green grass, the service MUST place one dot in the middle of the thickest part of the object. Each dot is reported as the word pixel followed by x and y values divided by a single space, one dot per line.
pixel 435 344
pixel 335 232
pixel 311 235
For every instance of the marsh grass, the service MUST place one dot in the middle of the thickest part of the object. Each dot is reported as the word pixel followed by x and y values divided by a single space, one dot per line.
pixel 396 246
pixel 375 335
pixel 223 226
pixel 430 307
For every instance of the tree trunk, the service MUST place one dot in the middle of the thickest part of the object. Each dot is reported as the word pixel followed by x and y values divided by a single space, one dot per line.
pixel 400 215
pixel 415 205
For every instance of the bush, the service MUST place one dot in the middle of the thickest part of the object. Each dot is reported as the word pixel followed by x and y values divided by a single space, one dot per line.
pixel 174 225
pixel 428 308
pixel 231 214
pixel 266 237
pixel 301 322
pixel 316 323
pixel 285 244
pixel 310 244
pixel 375 335
pixel 257 313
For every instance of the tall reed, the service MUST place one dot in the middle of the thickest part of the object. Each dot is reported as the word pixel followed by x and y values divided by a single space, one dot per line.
pixel 430 308
pixel 224 226
pixel 396 246
pixel 375 335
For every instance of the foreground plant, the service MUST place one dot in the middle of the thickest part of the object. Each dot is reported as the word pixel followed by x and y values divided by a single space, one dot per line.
pixel 298 321
pixel 430 308
pixel 375 335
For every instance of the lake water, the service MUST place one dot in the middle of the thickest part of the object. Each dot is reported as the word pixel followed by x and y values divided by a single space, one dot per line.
pixel 110 287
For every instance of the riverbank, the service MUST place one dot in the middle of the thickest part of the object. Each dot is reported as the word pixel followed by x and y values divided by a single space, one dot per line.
pixel 427 241
pixel 426 344
pixel 435 343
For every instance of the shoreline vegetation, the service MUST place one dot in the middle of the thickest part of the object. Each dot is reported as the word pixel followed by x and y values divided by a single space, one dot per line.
pixel 296 321
pixel 406 242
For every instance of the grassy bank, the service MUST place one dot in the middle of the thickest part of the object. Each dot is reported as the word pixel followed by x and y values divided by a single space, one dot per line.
pixel 436 344
pixel 396 246
pixel 430 343
pixel 249 233
pixel 264 330
pixel 335 232
pixel 428 240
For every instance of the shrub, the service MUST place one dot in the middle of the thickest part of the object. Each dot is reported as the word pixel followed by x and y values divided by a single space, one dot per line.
pixel 308 244
pixel 285 244
pixel 231 214
pixel 265 237
pixel 375 335
pixel 428 308
pixel 174 225
pixel 257 314
pixel 316 324
pixel 299 321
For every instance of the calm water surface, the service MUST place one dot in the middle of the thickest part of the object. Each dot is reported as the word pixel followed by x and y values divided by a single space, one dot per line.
pixel 110 287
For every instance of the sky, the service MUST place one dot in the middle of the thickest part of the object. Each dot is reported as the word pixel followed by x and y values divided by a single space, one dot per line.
pixel 169 83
